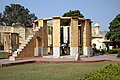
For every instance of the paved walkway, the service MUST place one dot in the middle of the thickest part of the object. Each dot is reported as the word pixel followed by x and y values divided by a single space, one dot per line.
pixel 62 59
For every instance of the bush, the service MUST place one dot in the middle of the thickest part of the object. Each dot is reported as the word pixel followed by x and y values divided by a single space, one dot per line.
pixel 118 55
pixel 113 51
pixel 4 55
pixel 103 51
pixel 110 72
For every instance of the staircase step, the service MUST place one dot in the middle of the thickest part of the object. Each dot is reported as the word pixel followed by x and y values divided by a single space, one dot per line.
pixel 35 29
pixel 19 49
pixel 12 58
pixel 27 40
pixel 14 54
pixel 23 45
pixel 38 27
pixel 30 36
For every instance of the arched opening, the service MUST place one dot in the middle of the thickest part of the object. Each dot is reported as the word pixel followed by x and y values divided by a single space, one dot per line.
pixel 38 47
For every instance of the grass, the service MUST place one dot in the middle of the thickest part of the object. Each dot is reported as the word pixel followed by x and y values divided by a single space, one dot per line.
pixel 4 55
pixel 48 71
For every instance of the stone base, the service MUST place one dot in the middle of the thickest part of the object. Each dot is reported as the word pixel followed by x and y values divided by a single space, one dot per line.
pixel 6 50
pixel 12 58
pixel 56 51
pixel 38 51
pixel 73 51
pixel 87 51
pixel 45 51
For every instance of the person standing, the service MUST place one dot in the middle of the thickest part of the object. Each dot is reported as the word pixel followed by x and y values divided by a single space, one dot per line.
pixel 100 50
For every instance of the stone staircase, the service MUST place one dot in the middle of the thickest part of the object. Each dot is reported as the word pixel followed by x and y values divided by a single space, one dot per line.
pixel 23 45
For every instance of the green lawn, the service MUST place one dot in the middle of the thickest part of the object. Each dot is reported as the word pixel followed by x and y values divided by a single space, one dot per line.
pixel 49 71
pixel 4 55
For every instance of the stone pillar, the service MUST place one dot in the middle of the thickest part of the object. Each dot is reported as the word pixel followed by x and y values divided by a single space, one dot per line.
pixel 45 38
pixel 10 47
pixel 6 42
pixel 41 48
pixel 56 36
pixel 40 23
pixel 33 25
pixel 87 37
pixel 73 36
pixel 14 41
pixel 79 39
pixel 17 40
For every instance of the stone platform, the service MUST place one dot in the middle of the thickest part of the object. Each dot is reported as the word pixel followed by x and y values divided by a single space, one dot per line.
pixel 63 59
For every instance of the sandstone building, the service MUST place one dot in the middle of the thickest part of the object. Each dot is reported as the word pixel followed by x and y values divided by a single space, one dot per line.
pixel 45 39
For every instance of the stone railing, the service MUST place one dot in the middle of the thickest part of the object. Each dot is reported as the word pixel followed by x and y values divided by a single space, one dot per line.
pixel 12 29
pixel 97 36
pixel 6 29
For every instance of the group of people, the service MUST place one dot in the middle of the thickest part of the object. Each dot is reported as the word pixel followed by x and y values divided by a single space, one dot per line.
pixel 100 51
pixel 64 48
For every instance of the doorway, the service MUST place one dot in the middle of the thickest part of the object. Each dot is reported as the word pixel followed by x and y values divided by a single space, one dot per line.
pixel 38 51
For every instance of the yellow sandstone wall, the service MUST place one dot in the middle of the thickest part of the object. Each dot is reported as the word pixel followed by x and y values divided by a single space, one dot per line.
pixel 73 36
pixel 28 51
pixel 56 36
pixel 86 27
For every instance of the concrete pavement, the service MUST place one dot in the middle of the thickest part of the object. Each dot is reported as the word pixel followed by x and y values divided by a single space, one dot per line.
pixel 63 59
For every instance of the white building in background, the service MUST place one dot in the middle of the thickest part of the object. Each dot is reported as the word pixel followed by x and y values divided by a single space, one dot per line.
pixel 98 37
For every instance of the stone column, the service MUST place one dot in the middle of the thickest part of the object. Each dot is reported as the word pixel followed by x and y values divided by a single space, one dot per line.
pixel 79 39
pixel 6 42
pixel 17 39
pixel 14 41
pixel 33 25
pixel 73 36
pixel 45 38
pixel 87 37
pixel 56 36
pixel 40 23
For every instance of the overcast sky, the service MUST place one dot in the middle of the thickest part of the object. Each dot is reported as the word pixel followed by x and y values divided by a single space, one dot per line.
pixel 99 11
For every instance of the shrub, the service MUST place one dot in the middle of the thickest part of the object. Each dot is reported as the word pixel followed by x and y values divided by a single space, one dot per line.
pixel 110 72
pixel 113 51
pixel 4 55
pixel 118 55
pixel 103 51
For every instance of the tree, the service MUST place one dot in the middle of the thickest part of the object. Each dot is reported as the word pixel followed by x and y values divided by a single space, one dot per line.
pixel 114 33
pixel 15 13
pixel 1 19
pixel 75 13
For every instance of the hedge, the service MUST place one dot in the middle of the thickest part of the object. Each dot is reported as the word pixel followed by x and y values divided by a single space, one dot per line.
pixel 110 72
pixel 118 55
pixel 113 51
